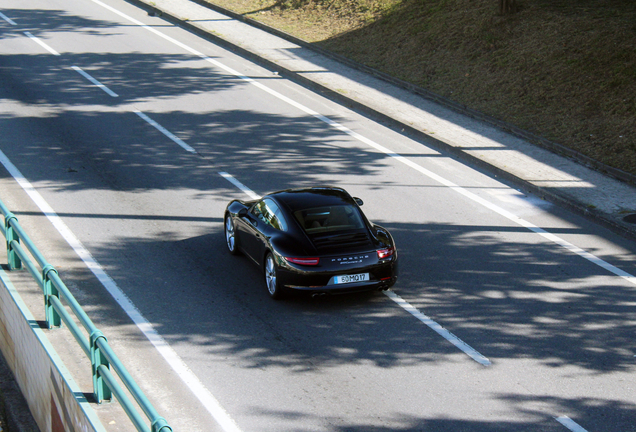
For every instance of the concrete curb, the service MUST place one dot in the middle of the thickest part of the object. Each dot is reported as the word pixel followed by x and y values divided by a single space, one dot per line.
pixel 617 225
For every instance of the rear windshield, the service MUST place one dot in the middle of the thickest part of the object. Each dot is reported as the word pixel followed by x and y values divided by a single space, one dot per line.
pixel 329 218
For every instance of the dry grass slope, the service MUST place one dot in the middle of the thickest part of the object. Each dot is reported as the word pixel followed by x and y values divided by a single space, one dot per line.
pixel 561 69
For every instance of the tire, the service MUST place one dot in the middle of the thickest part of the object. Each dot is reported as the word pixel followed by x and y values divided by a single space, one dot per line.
pixel 271 278
pixel 230 236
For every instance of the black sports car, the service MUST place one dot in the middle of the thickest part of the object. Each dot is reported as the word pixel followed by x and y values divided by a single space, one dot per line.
pixel 315 240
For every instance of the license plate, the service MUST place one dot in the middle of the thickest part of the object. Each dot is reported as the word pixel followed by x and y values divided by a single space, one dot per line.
pixel 362 277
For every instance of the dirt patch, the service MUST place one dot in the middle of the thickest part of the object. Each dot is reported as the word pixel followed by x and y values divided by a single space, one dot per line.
pixel 562 70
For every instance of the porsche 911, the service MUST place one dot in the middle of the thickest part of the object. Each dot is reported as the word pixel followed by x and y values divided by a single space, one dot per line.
pixel 314 240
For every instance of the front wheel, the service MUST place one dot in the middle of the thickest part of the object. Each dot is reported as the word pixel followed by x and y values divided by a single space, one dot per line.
pixel 271 277
pixel 230 235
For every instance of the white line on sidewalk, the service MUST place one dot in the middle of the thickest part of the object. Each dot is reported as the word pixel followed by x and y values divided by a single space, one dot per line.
pixel 239 185
pixel 462 191
pixel 42 44
pixel 7 19
pixel 570 424
pixel 165 131
pixel 176 363
pixel 94 81
pixel 463 346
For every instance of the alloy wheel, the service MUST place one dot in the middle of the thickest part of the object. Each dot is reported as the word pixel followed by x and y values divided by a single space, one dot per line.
pixel 271 279
pixel 230 235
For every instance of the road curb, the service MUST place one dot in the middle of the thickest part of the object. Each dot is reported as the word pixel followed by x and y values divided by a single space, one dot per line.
pixel 583 209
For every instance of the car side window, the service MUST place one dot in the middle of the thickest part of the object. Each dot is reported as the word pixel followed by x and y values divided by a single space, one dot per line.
pixel 268 212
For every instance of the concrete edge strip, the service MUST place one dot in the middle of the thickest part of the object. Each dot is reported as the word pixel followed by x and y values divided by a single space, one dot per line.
pixel 55 359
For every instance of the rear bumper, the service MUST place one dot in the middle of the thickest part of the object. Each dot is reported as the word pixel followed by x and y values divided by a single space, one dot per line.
pixel 345 288
pixel 381 276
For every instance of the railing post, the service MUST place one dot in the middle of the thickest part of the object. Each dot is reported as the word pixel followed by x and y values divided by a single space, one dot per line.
pixel 101 391
pixel 161 425
pixel 53 318
pixel 14 261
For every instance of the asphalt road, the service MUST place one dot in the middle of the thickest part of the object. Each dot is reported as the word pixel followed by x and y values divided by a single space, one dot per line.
pixel 137 134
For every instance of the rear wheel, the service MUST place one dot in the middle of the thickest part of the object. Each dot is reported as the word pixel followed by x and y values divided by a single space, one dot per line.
pixel 271 277
pixel 230 235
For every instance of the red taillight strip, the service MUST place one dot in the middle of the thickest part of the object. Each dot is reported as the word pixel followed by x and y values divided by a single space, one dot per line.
pixel 304 261
pixel 385 253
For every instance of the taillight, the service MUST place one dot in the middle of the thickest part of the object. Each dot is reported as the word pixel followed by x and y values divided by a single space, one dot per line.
pixel 385 253
pixel 304 261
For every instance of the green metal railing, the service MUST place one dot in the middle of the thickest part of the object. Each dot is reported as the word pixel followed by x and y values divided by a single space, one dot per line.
pixel 96 347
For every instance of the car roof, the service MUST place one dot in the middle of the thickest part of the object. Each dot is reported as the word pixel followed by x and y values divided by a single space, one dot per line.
pixel 300 199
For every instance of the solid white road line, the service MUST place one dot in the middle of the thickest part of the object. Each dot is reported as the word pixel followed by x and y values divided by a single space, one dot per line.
pixel 570 424
pixel 462 191
pixel 239 185
pixel 42 44
pixel 166 132
pixel 176 363
pixel 7 19
pixel 463 346
pixel 94 81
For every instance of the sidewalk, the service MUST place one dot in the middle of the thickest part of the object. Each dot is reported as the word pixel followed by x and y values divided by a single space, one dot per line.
pixel 467 135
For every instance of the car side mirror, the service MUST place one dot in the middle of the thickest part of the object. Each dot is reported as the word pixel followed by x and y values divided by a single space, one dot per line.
pixel 358 201
pixel 242 212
